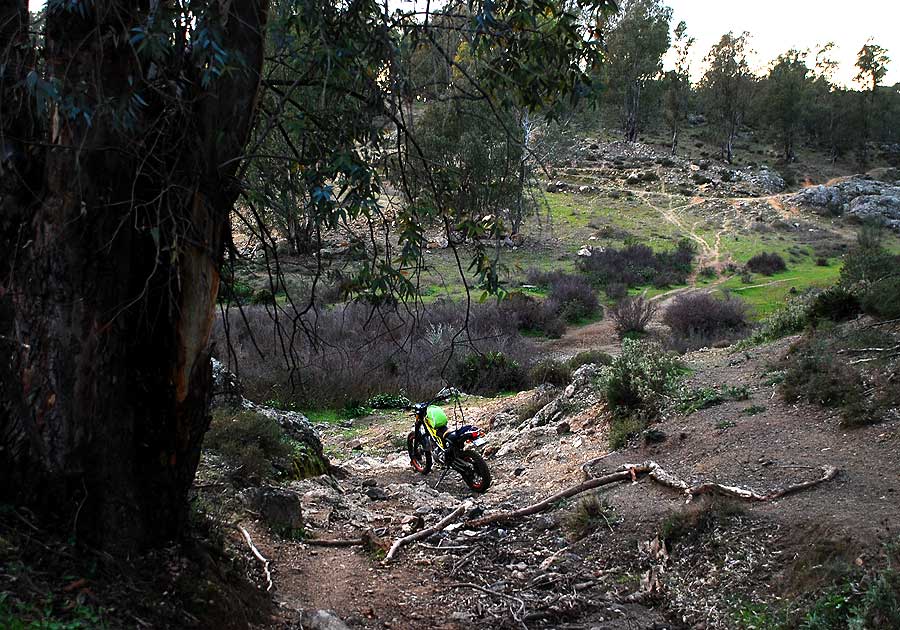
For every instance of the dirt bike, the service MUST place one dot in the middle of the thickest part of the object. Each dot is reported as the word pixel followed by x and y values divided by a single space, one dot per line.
pixel 430 441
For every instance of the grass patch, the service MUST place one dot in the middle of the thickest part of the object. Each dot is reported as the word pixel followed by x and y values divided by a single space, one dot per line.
pixel 768 294
pixel 590 514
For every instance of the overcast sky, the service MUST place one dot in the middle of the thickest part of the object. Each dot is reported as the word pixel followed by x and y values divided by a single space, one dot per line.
pixel 778 25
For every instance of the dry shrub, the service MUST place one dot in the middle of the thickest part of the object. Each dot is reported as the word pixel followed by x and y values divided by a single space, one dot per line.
pixel 767 263
pixel 637 265
pixel 344 355
pixel 633 315
pixel 701 319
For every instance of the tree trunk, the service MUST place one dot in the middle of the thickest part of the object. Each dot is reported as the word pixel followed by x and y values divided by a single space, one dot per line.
pixel 110 289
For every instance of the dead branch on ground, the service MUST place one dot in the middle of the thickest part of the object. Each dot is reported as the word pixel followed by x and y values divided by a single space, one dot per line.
pixel 425 533
pixel 660 476
pixel 258 555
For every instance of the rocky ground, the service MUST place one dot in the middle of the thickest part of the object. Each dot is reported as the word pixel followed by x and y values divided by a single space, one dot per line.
pixel 637 565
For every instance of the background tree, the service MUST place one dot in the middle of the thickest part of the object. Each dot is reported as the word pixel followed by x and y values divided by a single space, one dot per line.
pixel 872 62
pixel 726 88
pixel 125 131
pixel 786 98
pixel 678 83
pixel 638 38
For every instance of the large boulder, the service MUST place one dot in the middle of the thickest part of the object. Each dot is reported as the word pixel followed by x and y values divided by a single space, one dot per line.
pixel 860 196
pixel 580 393
pixel 280 509
pixel 880 208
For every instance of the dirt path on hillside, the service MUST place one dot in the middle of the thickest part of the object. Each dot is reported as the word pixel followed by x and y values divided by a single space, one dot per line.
pixel 533 573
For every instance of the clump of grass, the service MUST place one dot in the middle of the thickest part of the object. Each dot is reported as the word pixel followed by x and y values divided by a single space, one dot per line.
pixel 753 410
pixel 258 448
pixel 691 401
pixel 698 517
pixel 251 441
pixel 590 514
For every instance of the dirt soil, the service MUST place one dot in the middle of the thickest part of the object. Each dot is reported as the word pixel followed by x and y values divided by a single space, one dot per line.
pixel 534 572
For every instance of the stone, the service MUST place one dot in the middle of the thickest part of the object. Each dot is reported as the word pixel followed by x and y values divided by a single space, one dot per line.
pixel 562 428
pixel 880 208
pixel 321 620
pixel 226 388
pixel 369 483
pixel 280 509
pixel 377 494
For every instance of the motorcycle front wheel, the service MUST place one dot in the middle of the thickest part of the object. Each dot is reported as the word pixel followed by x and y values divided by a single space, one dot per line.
pixel 419 456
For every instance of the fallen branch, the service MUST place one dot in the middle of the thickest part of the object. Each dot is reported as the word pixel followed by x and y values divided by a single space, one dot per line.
pixel 425 533
pixel 258 555
pixel 591 462
pixel 664 478
pixel 633 472
pixel 540 506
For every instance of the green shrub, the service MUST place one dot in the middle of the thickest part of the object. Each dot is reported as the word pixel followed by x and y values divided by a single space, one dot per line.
pixel 551 372
pixel 835 304
pixel 882 298
pixel 585 357
pixel 623 428
pixel 251 441
pixel 262 296
pixel 818 369
pixel 792 318
pixel 642 379
pixel 489 373
pixel 814 375
pixel 388 401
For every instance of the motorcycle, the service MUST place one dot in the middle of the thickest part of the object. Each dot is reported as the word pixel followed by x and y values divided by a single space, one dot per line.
pixel 431 442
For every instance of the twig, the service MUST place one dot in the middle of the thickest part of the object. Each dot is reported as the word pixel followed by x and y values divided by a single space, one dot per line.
pixel 258 555
pixel 425 533
pixel 350 542
pixel 462 561
pixel 497 594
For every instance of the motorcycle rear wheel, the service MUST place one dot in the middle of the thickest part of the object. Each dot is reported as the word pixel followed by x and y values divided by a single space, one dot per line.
pixel 479 479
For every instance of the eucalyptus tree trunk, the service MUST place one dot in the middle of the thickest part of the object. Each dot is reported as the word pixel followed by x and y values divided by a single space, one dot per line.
pixel 115 209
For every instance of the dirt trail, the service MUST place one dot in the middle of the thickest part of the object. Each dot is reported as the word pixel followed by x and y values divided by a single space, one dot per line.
pixel 591 583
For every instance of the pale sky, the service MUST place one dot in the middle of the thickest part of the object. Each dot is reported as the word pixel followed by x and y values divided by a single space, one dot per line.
pixel 778 25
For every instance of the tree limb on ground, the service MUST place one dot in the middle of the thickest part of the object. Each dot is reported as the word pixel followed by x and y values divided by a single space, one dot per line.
pixel 424 533
pixel 659 475
pixel 258 555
